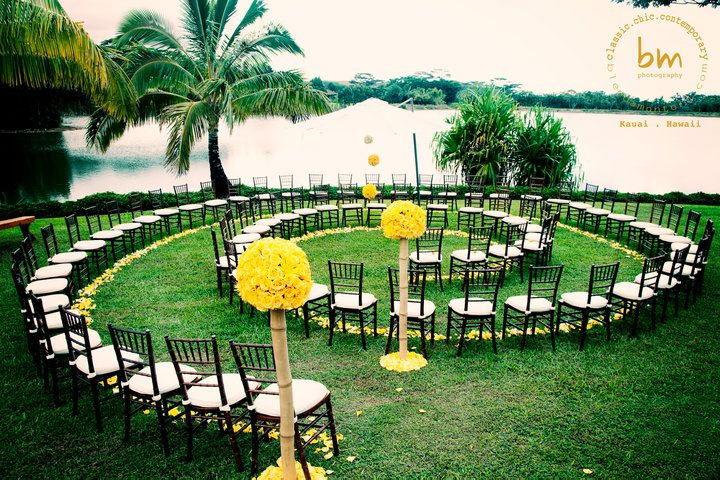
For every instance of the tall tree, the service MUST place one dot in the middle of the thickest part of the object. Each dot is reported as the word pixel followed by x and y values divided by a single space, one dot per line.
pixel 41 47
pixel 215 72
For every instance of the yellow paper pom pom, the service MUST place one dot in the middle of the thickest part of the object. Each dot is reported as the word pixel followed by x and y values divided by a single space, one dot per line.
pixel 368 139
pixel 274 274
pixel 369 191
pixel 275 473
pixel 392 362
pixel 403 219
pixel 373 160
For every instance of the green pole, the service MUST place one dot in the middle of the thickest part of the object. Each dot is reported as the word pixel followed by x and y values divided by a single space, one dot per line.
pixel 417 169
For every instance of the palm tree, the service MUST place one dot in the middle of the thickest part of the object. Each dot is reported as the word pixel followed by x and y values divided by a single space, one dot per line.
pixel 214 73
pixel 41 47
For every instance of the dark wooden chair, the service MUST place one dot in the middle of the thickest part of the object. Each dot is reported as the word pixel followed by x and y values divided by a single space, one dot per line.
pixel 210 201
pixel 428 253
pixel 636 229
pixel 95 249
pixel 577 210
pixel 318 303
pixel 152 224
pixel 595 215
pixel 78 260
pixel 475 256
pixel 62 270
pixel 623 213
pixel 630 297
pixel 161 210
pixel 132 231
pixel 183 203
pixel 349 301
pixel 508 254
pixel 115 237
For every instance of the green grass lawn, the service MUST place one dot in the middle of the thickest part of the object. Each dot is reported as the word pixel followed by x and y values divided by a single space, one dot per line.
pixel 629 408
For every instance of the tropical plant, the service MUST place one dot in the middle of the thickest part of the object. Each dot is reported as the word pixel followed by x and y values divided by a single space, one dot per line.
pixel 215 72
pixel 41 47
pixel 543 148
pixel 481 137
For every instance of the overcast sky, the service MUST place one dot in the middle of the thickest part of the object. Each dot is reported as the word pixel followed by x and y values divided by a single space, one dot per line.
pixel 547 46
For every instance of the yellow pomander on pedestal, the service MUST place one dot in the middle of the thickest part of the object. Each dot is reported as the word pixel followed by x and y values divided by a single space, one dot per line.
pixel 274 274
pixel 369 191
pixel 403 220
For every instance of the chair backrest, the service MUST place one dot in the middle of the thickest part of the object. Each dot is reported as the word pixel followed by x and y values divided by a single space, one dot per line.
pixel 203 356
pixel 77 338
pixel 92 217
pixel 286 182
pixel 228 216
pixel 344 178
pixel 73 228
pixel 225 228
pixel 536 185
pixel 182 194
pixel 609 197
pixel 450 181
pixel 216 250
pixel 40 324
pixel 527 208
pixel 399 178
pixel 426 181
pixel 565 190
pixel 244 213
pixel 256 363
pixel 126 341
pixel 315 180
pixel 416 287
pixel 49 240
pixel 629 206
pixel 322 194
pixel 136 204
pixel 231 251
pixel 546 231
pixel 513 234
pixel 503 177
pixel 18 258
pixel 479 239
pixel 156 199
pixel 476 192
pixel 29 250
pixel 590 194
pixel 260 184
pixel 701 255
pixel 602 280
pixel 692 223
pixel 482 285
pixel 544 282
pixel 650 276
pixel 674 217
pixel 430 242
pixel 657 212
pixel 20 288
pixel 346 277
pixel 348 192
pixel 207 191
pixel 234 186
pixel 500 203
pixel 372 178
pixel 112 208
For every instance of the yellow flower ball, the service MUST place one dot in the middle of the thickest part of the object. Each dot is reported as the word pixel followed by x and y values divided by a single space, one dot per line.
pixel 368 139
pixel 369 191
pixel 403 219
pixel 373 160
pixel 274 274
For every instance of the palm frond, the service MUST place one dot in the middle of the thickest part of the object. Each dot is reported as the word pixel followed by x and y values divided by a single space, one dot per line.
pixel 254 12
pixel 195 23
pixel 147 28
pixel 188 122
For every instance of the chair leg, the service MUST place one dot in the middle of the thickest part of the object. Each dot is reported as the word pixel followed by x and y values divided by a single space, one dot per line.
pixel 331 422
pixel 126 412
pixel 189 428
pixel 583 328
pixel 389 339
pixel 552 330
pixel 492 335
pixel 232 436
pixel 255 446
pixel 332 315
pixel 524 336
pixel 607 324
pixel 301 453
pixel 447 331
pixel 306 318
pixel 462 336
pixel 96 405
pixel 163 428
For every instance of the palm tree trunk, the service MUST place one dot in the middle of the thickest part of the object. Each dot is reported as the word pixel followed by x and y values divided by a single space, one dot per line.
pixel 217 173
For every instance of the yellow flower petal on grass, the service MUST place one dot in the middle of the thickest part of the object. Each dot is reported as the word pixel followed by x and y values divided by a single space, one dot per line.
pixel 359 412
pixel 351 458
pixel 587 471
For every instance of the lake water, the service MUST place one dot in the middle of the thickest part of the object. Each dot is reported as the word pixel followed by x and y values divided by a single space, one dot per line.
pixel 57 165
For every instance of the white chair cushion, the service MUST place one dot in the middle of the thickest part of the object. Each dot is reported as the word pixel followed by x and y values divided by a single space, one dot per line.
pixel 495 213
pixel 306 395
pixel 479 307
pixel 471 210
pixel 238 198
pixel 104 361
pixel 217 202
pixel 598 211
pixel 474 255
pixel 531 197
pixel 190 207
pixel 167 379
pixel 537 304
pixel 53 321
pixel 679 246
pixel 260 229
pixel 530 245
pixel 107 235
pixel 499 195
pixel 643 225
pixel 318 290
pixel 631 291
pixel 425 257
pixel 305 211
pixel 473 195
pixel 129 226
pixel 68 257
pixel 558 201
pixel 513 220
pixel 89 245
pixel 350 301
pixel 53 271
pixel 209 397
pixel 413 310
pixel 376 206
pixel 270 222
pixel 52 303
pixel 164 212
pixel 46 286
pixel 59 342
pixel 533 228
pixel 499 251
pixel 223 262
pixel 425 193
pixel 621 217
pixel 580 300
pixel 437 206
pixel 147 219
pixel 657 231
pixel 665 282
pixel 350 206
pixel 580 205
pixel 670 238
pixel 533 236
pixel 264 196
pixel 287 216
pixel 290 194
pixel 326 208
pixel 246 238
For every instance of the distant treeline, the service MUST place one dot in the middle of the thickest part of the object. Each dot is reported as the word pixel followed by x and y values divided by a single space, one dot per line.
pixel 429 89
pixel 25 108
